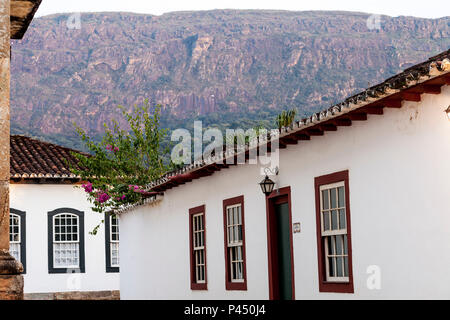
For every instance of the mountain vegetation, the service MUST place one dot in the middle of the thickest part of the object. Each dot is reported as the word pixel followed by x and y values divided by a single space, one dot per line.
pixel 228 68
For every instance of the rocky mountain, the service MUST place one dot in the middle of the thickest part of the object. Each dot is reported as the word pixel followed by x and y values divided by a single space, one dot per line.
pixel 224 66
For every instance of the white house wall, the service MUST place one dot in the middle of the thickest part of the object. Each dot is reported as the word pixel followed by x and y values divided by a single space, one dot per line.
pixel 38 199
pixel 399 182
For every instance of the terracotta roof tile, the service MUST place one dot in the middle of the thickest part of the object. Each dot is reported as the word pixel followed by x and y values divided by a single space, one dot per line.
pixel 32 158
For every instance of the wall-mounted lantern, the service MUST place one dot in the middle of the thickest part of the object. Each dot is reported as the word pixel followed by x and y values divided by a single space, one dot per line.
pixel 447 111
pixel 267 185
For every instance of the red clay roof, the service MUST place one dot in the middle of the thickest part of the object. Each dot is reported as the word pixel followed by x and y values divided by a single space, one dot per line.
pixel 32 158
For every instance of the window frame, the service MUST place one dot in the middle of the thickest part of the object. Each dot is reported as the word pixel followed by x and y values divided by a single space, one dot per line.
pixel 23 236
pixel 109 268
pixel 51 215
pixel 229 284
pixel 337 285
pixel 194 284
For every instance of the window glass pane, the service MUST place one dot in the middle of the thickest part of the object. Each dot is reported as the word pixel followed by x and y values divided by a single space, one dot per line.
pixel 330 245
pixel 345 245
pixel 339 267
pixel 325 200
pixel 14 250
pixel 66 255
pixel 326 221
pixel 333 198
pixel 331 267
pixel 239 215
pixel 342 219
pixel 339 245
pixel 239 253
pixel 334 221
pixel 341 197
pixel 240 273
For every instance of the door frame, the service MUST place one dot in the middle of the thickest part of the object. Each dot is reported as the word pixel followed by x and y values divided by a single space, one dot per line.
pixel 276 197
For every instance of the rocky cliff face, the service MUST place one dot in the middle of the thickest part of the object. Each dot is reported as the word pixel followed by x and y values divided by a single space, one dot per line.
pixel 203 63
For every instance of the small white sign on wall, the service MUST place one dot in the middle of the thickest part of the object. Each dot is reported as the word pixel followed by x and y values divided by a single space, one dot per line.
pixel 296 227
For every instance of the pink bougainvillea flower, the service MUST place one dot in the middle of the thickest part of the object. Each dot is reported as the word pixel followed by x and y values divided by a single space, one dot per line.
pixel 87 187
pixel 102 197
pixel 116 149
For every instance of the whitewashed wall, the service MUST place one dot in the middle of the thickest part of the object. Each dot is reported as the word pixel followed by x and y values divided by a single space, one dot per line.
pixel 399 180
pixel 38 199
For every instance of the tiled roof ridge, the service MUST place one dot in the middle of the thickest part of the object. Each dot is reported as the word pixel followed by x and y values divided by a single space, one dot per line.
pixel 49 143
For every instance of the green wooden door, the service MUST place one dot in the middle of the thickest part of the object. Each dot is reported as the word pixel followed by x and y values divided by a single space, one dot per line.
pixel 284 251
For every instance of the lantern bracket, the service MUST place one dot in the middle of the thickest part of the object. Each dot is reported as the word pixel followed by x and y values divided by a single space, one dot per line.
pixel 271 171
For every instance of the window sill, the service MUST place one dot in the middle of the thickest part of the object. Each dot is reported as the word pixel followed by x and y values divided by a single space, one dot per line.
pixel 199 286
pixel 236 286
pixel 66 270
pixel 336 287
pixel 112 269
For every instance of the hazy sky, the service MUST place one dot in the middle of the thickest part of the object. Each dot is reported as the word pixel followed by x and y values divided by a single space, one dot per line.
pixel 426 9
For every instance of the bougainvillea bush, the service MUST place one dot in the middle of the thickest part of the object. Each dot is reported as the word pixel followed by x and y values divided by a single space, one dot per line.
pixel 124 161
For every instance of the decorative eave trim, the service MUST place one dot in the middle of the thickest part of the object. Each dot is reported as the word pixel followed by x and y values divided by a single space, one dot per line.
pixel 44 176
pixel 150 201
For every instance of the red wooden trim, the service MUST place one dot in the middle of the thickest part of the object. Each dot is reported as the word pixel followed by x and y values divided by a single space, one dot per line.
pixel 411 96
pixel 279 196
pixel 431 88
pixel 194 285
pixel 397 103
pixel 358 116
pixel 228 284
pixel 325 286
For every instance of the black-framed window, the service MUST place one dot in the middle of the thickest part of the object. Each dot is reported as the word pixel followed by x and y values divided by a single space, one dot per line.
pixel 112 242
pixel 66 241
pixel 17 236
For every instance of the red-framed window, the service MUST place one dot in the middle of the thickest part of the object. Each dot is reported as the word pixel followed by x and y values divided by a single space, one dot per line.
pixel 197 240
pixel 234 231
pixel 334 248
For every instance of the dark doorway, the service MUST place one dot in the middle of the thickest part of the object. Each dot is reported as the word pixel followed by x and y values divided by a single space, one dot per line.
pixel 281 266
